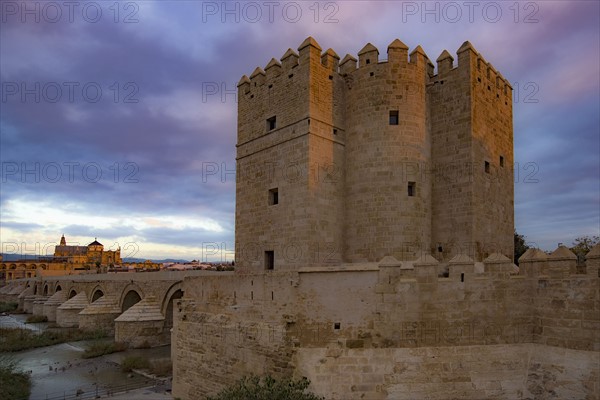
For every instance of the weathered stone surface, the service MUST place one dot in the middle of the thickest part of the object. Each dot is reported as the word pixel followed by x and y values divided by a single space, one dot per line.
pixel 67 314
pixel 142 325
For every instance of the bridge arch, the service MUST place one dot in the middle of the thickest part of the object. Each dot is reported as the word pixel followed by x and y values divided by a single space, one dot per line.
pixel 72 293
pixel 130 296
pixel 175 292
pixel 58 288
pixel 45 289
pixel 97 292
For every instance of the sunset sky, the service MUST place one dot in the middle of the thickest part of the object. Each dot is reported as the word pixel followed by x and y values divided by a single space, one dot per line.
pixel 111 112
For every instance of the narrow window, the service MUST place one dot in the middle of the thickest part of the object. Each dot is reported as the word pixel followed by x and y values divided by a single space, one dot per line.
pixel 336 325
pixel 273 196
pixel 394 117
pixel 270 259
pixel 368 61
pixel 271 123
pixel 487 167
pixel 462 277
pixel 335 131
pixel 412 188
pixel 501 161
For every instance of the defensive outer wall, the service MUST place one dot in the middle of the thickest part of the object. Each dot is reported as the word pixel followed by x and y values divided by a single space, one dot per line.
pixel 369 290
pixel 399 330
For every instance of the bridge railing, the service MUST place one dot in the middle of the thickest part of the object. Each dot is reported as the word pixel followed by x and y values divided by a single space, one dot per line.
pixel 96 391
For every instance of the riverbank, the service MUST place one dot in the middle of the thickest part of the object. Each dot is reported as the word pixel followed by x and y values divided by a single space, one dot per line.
pixel 60 371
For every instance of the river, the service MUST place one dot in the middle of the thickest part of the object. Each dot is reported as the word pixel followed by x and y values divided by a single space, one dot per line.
pixel 59 371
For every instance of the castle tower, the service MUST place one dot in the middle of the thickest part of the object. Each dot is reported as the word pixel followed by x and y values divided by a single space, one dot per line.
pixel 63 241
pixel 289 192
pixel 339 162
pixel 388 208
pixel 472 153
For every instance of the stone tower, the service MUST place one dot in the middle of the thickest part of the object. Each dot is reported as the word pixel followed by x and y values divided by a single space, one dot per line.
pixel 352 161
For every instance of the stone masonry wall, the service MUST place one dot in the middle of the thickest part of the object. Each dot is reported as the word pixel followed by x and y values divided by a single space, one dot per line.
pixel 360 320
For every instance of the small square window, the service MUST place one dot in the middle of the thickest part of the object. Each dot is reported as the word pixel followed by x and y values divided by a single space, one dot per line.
pixel 501 161
pixel 273 197
pixel 269 259
pixel 394 117
pixel 487 167
pixel 271 123
pixel 412 188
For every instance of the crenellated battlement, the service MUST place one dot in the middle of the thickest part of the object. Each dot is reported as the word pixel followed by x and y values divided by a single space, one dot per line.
pixel 398 53
pixel 480 303
pixel 368 56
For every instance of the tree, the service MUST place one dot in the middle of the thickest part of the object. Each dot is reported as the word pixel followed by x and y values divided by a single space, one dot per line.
pixel 583 244
pixel 267 388
pixel 520 246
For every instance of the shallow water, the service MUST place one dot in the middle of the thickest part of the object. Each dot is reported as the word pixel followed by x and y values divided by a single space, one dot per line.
pixel 18 321
pixel 60 371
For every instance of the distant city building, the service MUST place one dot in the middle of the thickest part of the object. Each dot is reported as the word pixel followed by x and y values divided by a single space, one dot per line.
pixel 92 253
pixel 67 260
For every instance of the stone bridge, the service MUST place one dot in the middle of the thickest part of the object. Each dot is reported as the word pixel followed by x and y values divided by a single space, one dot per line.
pixel 136 307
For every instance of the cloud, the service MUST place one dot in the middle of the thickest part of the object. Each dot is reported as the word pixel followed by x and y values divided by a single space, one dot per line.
pixel 167 115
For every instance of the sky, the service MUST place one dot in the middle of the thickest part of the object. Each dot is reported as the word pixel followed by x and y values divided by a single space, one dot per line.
pixel 118 119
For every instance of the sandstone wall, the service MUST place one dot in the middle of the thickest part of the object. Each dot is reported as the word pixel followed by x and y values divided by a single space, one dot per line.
pixel 386 330
pixel 508 371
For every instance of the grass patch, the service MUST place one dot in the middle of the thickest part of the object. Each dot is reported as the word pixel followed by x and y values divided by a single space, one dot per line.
pixel 130 363
pixel 102 348
pixel 16 339
pixel 6 307
pixel 33 319
pixel 14 384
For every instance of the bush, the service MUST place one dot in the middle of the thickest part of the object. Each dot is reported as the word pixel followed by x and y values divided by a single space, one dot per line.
pixel 161 367
pixel 32 319
pixel 8 307
pixel 130 363
pixel 16 339
pixel 268 388
pixel 102 348
pixel 14 384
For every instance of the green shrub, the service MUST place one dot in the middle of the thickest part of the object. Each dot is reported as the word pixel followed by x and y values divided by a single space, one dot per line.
pixel 17 339
pixel 14 384
pixel 130 363
pixel 32 319
pixel 267 388
pixel 8 306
